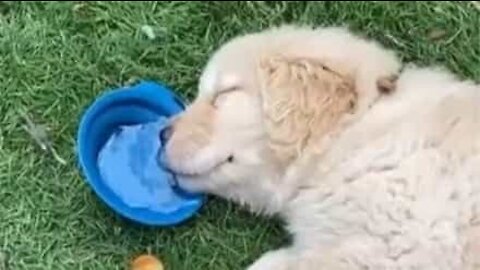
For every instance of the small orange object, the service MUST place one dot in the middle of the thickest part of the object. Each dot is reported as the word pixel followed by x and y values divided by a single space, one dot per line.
pixel 147 262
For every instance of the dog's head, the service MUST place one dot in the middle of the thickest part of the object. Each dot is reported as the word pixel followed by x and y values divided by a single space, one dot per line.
pixel 263 100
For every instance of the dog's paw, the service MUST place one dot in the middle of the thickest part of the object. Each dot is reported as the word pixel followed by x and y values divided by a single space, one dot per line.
pixel 273 260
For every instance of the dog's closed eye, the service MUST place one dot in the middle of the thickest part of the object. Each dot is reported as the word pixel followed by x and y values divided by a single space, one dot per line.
pixel 221 96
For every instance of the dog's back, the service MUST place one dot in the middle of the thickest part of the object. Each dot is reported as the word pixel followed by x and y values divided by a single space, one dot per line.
pixel 401 187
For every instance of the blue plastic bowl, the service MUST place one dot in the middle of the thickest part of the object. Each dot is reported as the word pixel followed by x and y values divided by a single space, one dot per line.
pixel 141 103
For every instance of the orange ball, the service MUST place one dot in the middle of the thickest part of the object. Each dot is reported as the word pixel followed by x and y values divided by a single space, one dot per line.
pixel 147 262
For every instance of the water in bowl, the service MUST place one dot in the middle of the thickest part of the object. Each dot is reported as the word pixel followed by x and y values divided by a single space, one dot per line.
pixel 128 165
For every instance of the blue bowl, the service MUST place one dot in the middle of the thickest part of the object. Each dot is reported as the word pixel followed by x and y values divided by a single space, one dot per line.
pixel 142 103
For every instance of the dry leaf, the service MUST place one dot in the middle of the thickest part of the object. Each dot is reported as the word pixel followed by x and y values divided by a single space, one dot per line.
pixel 148 31
pixel 40 136
pixel 147 262
pixel 437 34
pixel 3 261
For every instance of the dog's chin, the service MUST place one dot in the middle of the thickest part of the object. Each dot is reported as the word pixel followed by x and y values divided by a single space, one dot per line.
pixel 191 183
pixel 201 163
pixel 193 180
pixel 188 169
pixel 200 182
pixel 192 174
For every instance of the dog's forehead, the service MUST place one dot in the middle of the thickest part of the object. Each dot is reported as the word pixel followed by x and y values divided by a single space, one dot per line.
pixel 230 66
pixel 208 80
pixel 216 78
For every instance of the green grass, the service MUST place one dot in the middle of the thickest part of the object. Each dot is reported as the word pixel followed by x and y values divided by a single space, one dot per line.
pixel 56 57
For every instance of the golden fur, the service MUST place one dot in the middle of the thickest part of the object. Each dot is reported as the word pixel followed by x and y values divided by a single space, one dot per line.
pixel 369 167
pixel 303 100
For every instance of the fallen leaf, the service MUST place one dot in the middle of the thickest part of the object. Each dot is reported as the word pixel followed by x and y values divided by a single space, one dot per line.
pixel 40 136
pixel 148 31
pixel 147 262
pixel 3 261
pixel 436 34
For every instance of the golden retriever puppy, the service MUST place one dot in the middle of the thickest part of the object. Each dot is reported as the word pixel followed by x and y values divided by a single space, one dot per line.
pixel 370 167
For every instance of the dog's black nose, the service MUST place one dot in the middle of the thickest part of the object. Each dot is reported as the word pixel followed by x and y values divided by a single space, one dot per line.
pixel 166 134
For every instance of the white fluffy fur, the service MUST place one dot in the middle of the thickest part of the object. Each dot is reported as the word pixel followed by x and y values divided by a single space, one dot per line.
pixel 397 188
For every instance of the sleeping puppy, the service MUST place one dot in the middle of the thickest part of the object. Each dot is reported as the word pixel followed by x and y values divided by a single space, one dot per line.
pixel 306 124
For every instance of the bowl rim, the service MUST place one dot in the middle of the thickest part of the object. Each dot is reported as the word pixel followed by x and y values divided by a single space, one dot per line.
pixel 109 97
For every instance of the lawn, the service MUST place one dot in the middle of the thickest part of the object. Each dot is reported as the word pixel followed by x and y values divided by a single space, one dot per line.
pixel 56 57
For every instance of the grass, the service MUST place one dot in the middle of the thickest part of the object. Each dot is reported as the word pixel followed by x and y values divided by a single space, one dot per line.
pixel 55 57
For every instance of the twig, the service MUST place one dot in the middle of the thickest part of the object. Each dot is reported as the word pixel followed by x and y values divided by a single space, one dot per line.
pixel 40 136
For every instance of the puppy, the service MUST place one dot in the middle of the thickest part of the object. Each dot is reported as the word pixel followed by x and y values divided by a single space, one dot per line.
pixel 367 172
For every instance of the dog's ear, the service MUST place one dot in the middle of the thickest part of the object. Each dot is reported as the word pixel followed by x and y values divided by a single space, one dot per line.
pixel 302 99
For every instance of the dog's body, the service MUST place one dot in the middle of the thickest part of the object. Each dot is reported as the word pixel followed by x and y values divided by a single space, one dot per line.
pixel 292 122
pixel 400 188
